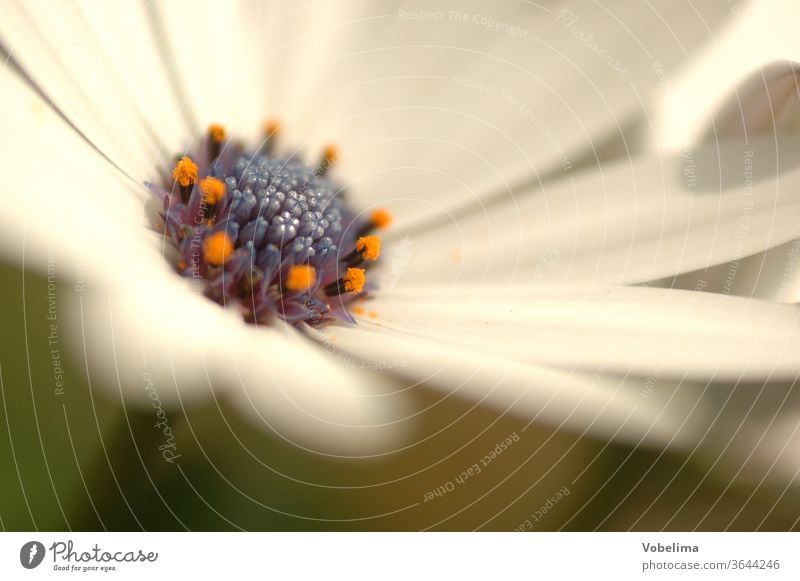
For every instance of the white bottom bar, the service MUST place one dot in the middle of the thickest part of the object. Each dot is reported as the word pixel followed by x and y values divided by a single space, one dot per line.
pixel 401 556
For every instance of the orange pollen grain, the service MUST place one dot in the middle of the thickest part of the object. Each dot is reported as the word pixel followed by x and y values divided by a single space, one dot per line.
pixel 212 190
pixel 272 127
pixel 217 248
pixel 369 247
pixel 300 277
pixel 354 280
pixel 216 132
pixel 380 218
pixel 357 311
pixel 185 172
pixel 331 154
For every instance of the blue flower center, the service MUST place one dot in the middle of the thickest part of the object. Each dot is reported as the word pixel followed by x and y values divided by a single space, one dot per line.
pixel 266 233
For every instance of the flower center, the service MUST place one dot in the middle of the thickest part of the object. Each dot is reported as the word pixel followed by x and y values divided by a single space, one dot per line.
pixel 266 233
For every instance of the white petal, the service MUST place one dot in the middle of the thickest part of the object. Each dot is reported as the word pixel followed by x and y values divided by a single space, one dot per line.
pixel 217 62
pixel 438 108
pixel 61 195
pixel 151 328
pixel 746 71
pixel 74 216
pixel 62 55
pixel 593 402
pixel 683 335
pixel 768 275
pixel 637 220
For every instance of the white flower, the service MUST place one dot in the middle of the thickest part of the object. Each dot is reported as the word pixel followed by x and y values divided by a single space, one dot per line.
pixel 512 271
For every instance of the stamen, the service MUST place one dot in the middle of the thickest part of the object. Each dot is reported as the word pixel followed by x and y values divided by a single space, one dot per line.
pixel 352 282
pixel 301 277
pixel 367 248
pixel 267 233
pixel 185 174
pixel 272 129
pixel 330 155
pixel 217 248
pixel 213 190
pixel 216 135
pixel 378 220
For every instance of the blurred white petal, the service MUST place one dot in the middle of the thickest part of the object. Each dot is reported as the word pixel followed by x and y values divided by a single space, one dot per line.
pixel 133 314
pixel 216 62
pixel 629 222
pixel 443 112
pixel 59 51
pixel 60 193
pixel 685 335
pixel 151 322
pixel 743 83
pixel 591 402
pixel 432 115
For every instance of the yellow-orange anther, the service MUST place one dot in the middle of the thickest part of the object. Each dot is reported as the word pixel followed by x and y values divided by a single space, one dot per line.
pixel 216 132
pixel 369 247
pixel 212 189
pixel 272 127
pixel 380 218
pixel 354 280
pixel 330 154
pixel 217 248
pixel 185 172
pixel 300 277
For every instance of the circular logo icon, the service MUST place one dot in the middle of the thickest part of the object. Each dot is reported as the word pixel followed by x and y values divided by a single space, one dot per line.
pixel 31 554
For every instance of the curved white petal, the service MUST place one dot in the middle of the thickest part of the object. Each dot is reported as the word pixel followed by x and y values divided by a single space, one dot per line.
pixel 433 112
pixel 76 217
pixel 651 410
pixel 745 81
pixel 117 97
pixel 772 275
pixel 59 195
pixel 150 327
pixel 216 59
pixel 438 107
pixel 625 330
pixel 637 220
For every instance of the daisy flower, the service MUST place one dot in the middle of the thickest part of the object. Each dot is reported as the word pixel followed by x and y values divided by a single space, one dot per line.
pixel 533 241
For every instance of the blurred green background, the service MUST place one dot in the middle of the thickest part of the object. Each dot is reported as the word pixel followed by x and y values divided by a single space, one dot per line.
pixel 78 462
